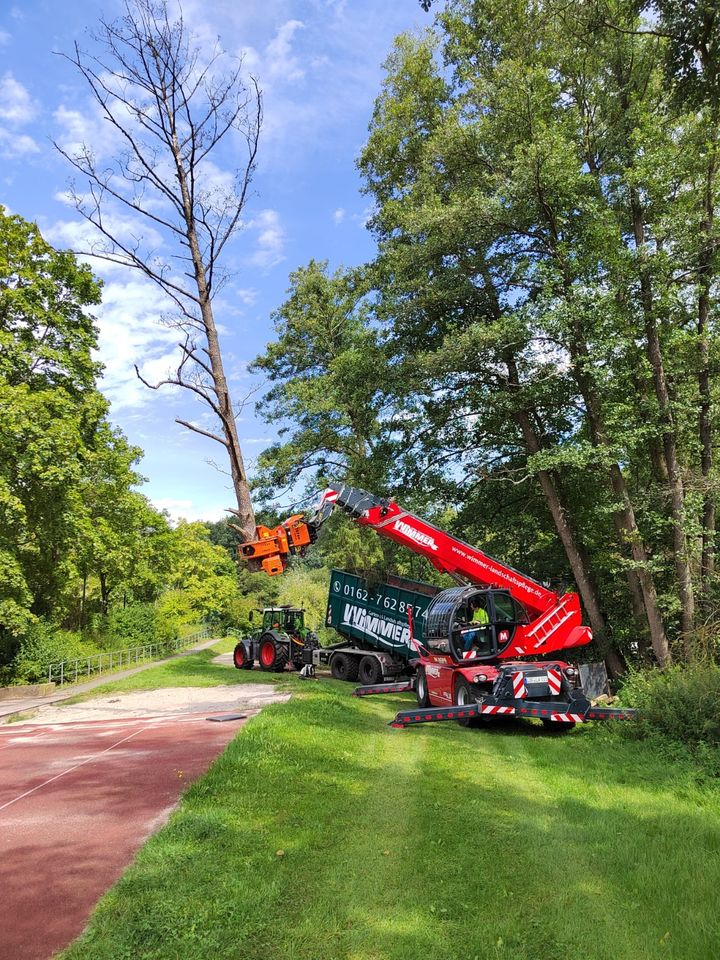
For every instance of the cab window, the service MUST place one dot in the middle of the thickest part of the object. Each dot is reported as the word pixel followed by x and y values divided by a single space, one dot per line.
pixel 508 610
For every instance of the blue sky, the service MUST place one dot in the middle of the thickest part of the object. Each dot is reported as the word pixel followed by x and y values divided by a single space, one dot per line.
pixel 319 65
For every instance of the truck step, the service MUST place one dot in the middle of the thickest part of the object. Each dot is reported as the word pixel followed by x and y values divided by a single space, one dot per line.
pixel 406 686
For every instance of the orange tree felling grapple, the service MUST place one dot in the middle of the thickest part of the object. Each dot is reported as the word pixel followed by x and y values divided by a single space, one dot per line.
pixel 489 644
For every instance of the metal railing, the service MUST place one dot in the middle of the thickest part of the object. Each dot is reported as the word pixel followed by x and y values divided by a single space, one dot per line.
pixel 70 671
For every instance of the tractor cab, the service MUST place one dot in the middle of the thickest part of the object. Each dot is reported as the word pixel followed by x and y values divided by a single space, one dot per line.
pixel 285 619
pixel 471 624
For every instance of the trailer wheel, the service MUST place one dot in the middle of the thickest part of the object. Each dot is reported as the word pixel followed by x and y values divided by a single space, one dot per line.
pixel 344 667
pixel 464 697
pixel 558 726
pixel 421 688
pixel 241 659
pixel 370 670
pixel 273 654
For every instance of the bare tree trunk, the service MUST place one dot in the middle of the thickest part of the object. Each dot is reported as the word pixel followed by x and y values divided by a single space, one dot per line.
pixel 675 483
pixel 172 106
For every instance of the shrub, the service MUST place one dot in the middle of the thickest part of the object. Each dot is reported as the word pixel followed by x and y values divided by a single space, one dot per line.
pixel 130 626
pixel 44 644
pixel 173 611
pixel 681 704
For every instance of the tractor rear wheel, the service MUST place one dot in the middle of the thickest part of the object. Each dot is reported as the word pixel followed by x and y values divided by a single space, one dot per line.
pixel 421 688
pixel 273 654
pixel 465 697
pixel 370 671
pixel 241 659
pixel 344 667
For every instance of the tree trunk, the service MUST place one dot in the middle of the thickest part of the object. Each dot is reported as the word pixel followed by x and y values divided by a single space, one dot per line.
pixel 707 561
pixel 224 408
pixel 549 486
pixel 104 594
pixel 624 520
pixel 675 483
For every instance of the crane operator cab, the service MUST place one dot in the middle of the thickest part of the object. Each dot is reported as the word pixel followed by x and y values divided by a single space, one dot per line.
pixel 472 624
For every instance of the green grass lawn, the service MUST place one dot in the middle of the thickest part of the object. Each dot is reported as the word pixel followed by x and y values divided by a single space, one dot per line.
pixel 322 834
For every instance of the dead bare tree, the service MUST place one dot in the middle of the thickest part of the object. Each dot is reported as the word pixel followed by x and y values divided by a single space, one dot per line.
pixel 171 108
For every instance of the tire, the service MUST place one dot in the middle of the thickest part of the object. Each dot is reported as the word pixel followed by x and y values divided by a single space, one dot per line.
pixel 273 654
pixel 465 695
pixel 370 671
pixel 421 688
pixel 343 666
pixel 240 657
pixel 558 726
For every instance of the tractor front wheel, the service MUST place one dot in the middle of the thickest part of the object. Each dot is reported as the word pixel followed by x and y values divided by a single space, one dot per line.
pixel 273 654
pixel 241 659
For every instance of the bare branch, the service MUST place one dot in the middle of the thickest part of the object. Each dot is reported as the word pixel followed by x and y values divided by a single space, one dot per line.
pixel 205 433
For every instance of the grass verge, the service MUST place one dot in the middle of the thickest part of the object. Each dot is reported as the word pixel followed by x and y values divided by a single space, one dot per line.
pixel 189 670
pixel 322 833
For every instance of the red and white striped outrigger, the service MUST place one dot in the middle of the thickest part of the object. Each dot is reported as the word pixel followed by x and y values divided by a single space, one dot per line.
pixel 577 711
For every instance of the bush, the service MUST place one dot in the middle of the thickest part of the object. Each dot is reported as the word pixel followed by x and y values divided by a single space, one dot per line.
pixel 129 626
pixel 682 705
pixel 173 611
pixel 44 644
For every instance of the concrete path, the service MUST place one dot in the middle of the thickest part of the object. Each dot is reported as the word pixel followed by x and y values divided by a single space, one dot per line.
pixel 24 705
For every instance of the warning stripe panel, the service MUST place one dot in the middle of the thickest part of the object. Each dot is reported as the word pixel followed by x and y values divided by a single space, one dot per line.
pixel 567 717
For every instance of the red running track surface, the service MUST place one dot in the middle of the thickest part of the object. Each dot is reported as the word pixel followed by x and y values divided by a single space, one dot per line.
pixel 77 800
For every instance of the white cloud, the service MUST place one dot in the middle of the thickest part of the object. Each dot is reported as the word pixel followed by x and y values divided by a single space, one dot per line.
pixel 130 332
pixel 17 107
pixel 338 215
pixel 14 145
pixel 270 240
pixel 5 38
pixel 246 295
pixel 280 61
pixel 187 509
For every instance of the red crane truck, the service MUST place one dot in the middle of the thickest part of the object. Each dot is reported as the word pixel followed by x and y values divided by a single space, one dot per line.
pixel 469 665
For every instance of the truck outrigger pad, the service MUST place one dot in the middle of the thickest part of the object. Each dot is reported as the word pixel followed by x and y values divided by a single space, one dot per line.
pixel 405 686
pixel 574 712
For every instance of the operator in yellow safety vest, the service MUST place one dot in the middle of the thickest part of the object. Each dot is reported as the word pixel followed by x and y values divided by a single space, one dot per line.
pixel 479 618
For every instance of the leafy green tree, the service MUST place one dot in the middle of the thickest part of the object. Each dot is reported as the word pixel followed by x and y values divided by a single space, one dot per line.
pixel 49 411
pixel 330 384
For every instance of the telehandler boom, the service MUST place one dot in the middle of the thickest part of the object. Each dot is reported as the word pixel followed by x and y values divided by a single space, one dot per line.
pixel 474 633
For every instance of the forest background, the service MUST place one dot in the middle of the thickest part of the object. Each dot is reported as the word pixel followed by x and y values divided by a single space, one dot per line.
pixel 529 360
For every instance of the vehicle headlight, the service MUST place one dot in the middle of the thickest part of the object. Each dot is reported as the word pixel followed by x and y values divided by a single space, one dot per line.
pixel 480 678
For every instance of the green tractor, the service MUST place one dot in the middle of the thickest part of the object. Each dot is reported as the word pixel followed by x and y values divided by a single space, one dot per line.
pixel 282 638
